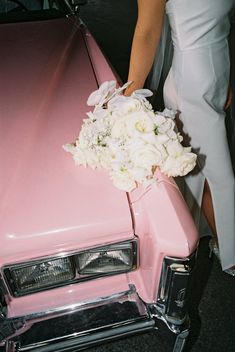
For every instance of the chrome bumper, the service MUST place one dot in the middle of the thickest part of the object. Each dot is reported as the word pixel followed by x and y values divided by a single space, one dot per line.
pixel 81 326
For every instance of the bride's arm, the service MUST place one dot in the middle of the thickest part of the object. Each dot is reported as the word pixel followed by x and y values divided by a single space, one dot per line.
pixel 146 38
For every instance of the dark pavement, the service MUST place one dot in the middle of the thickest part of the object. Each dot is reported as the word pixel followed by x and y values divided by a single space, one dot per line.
pixel 213 302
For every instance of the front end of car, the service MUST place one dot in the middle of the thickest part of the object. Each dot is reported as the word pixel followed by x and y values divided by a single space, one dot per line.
pixel 81 263
pixel 80 325
pixel 100 303
pixel 77 299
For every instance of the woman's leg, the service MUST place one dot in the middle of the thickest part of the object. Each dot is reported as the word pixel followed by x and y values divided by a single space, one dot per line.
pixel 208 210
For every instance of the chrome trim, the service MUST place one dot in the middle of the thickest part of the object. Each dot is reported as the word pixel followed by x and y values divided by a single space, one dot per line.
pixel 5 270
pixel 84 324
pixel 175 328
pixel 174 288
pixel 180 331
pixel 3 304
pixel 61 311
pixel 55 312
pixel 89 338
pixel 10 346
pixel 120 324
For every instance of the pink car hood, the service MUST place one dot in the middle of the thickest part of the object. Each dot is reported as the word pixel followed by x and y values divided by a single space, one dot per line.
pixel 47 204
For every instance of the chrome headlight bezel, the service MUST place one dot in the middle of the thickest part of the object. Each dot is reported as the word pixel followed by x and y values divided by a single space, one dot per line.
pixel 8 277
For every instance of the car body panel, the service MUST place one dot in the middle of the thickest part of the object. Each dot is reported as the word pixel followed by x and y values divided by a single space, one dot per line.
pixel 164 226
pixel 43 194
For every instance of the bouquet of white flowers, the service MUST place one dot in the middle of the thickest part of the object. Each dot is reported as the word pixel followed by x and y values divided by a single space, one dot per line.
pixel 125 136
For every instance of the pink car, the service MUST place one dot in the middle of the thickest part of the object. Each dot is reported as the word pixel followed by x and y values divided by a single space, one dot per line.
pixel 80 262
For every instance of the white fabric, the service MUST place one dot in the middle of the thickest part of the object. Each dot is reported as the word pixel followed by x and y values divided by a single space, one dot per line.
pixel 197 86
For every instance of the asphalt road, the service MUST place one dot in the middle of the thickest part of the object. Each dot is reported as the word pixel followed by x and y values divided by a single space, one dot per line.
pixel 213 302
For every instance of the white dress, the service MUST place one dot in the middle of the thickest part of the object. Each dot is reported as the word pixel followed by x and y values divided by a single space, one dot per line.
pixel 197 86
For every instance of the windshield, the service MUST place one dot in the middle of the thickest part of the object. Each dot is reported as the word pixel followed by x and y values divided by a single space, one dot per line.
pixel 31 10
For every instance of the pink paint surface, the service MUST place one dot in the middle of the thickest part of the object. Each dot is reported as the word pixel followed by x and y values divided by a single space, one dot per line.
pixel 68 295
pixel 165 228
pixel 48 205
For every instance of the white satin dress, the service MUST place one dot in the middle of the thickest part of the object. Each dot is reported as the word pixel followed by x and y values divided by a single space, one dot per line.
pixel 197 86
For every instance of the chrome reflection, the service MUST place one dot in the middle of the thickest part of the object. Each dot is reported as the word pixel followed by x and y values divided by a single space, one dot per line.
pixel 174 288
pixel 130 296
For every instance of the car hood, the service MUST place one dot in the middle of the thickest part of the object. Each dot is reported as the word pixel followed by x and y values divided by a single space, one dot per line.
pixel 47 204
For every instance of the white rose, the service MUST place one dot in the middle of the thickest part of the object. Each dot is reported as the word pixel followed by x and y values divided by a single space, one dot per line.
pixel 141 95
pixel 169 113
pixel 123 180
pixel 150 138
pixel 159 119
pixel 140 174
pixel 146 156
pixel 174 148
pixel 119 129
pixel 140 122
pixel 161 139
pixel 122 105
pixel 167 125
pixel 179 166
pixel 172 134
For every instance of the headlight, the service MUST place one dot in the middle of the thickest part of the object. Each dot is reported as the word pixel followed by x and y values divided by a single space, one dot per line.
pixel 44 274
pixel 115 258
pixel 40 275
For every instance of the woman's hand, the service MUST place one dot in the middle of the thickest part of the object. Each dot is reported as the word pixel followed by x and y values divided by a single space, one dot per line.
pixel 130 89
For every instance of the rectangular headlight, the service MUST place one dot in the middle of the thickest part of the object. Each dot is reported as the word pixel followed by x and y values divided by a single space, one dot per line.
pixel 40 275
pixel 108 259
pixel 47 273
